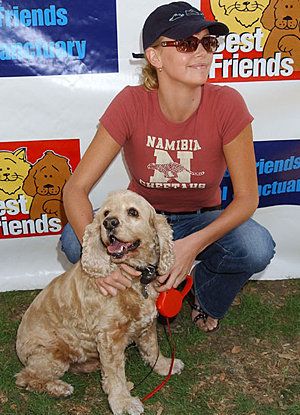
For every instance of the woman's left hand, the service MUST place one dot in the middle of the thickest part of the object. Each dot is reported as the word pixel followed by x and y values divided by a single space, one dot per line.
pixel 185 250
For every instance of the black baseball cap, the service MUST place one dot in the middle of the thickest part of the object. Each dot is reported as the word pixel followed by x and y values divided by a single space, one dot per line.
pixel 178 20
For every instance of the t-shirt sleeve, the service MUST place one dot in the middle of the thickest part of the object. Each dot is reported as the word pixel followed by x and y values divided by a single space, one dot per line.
pixel 233 115
pixel 118 118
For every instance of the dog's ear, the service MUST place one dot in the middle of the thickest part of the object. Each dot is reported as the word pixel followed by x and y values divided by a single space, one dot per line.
pixel 29 186
pixel 268 16
pixel 95 260
pixel 164 234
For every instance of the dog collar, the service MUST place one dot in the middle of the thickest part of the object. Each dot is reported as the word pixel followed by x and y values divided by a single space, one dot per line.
pixel 148 275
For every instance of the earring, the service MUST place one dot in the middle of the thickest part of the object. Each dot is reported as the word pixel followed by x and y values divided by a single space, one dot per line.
pixel 159 69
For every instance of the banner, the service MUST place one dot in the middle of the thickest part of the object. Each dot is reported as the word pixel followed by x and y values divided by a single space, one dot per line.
pixel 32 177
pixel 65 37
pixel 278 164
pixel 263 43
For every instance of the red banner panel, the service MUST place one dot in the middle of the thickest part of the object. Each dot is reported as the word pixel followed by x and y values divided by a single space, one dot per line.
pixel 32 177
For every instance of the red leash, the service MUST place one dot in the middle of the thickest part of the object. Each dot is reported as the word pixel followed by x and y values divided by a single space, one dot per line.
pixel 162 384
pixel 169 304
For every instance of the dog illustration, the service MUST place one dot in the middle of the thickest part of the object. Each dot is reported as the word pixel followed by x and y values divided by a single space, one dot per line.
pixel 14 168
pixel 282 18
pixel 240 17
pixel 45 182
pixel 71 325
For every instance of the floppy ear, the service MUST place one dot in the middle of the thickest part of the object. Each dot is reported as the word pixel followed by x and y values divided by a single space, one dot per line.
pixel 29 186
pixel 164 234
pixel 95 260
pixel 268 16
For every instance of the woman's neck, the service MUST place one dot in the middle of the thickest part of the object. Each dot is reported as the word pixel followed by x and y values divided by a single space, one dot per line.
pixel 178 106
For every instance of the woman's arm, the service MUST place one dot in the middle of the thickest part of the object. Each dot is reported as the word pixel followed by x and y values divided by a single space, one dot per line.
pixel 240 159
pixel 95 161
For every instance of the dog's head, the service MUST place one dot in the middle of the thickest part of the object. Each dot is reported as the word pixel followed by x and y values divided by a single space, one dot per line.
pixel 282 15
pixel 127 229
pixel 47 176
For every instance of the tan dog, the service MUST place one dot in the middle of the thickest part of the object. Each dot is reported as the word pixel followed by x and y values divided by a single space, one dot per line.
pixel 44 183
pixel 282 18
pixel 71 325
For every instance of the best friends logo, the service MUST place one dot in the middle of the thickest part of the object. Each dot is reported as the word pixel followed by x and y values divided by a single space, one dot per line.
pixel 32 177
pixel 263 43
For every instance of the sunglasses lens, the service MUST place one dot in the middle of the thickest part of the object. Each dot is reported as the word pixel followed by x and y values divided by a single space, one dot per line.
pixel 183 46
pixel 188 45
pixel 209 43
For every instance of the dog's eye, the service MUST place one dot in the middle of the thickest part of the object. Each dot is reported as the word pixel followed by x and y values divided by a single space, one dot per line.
pixel 133 212
pixel 106 212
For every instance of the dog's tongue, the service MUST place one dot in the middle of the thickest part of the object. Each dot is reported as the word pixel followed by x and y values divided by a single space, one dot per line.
pixel 118 247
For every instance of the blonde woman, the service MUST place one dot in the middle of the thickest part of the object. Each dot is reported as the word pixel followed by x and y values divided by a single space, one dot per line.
pixel 179 134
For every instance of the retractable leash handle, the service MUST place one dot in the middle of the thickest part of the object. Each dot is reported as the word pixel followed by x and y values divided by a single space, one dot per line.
pixel 169 302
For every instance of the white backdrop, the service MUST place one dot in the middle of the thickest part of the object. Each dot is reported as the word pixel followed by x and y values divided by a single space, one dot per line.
pixel 69 106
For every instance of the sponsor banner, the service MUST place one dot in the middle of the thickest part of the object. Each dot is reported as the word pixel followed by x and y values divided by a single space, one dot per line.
pixel 59 37
pixel 263 43
pixel 32 177
pixel 278 164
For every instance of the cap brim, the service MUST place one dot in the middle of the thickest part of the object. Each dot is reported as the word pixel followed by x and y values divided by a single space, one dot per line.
pixel 186 29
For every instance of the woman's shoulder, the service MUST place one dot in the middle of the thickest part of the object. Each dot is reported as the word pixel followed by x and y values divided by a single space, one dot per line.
pixel 136 91
pixel 220 90
pixel 222 96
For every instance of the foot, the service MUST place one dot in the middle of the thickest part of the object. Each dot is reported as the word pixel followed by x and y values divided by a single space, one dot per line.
pixel 203 320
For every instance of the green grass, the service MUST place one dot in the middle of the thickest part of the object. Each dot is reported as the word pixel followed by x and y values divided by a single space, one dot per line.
pixel 251 366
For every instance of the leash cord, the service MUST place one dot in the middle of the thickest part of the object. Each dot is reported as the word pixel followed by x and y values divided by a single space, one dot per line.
pixel 172 347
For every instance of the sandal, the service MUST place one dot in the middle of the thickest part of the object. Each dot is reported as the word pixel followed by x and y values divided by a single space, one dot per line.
pixel 202 315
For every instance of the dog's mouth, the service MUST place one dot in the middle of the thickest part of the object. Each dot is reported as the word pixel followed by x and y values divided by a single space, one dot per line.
pixel 117 249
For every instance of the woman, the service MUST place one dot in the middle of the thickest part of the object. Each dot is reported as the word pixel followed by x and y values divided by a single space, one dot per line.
pixel 179 135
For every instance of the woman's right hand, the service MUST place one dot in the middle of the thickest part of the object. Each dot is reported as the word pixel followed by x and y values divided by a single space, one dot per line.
pixel 120 279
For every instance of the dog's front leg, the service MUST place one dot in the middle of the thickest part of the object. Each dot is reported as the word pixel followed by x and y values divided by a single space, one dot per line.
pixel 111 347
pixel 149 349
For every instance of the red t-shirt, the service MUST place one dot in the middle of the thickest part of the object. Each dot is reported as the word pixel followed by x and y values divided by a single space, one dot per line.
pixel 176 166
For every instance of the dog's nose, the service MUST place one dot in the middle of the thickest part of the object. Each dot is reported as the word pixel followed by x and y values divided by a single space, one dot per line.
pixel 48 186
pixel 110 223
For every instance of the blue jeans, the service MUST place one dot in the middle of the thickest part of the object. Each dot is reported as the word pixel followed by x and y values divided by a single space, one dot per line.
pixel 224 267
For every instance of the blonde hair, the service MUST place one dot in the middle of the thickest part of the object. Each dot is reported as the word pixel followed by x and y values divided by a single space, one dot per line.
pixel 149 76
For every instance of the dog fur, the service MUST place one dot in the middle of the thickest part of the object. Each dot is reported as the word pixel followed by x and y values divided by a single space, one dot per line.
pixel 72 326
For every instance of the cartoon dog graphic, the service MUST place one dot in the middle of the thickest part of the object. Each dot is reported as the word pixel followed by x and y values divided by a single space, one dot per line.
pixel 239 16
pixel 14 168
pixel 282 18
pixel 45 182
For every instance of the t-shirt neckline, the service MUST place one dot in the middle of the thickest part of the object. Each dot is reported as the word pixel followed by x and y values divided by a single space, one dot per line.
pixel 181 123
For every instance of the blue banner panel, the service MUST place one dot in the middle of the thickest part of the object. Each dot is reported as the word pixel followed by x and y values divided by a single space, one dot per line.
pixel 278 164
pixel 60 37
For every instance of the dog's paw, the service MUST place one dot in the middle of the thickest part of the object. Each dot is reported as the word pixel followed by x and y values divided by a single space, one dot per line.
pixel 163 364
pixel 178 366
pixel 59 388
pixel 128 405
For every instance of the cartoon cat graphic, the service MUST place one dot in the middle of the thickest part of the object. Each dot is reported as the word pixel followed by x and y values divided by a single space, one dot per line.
pixel 14 168
pixel 240 16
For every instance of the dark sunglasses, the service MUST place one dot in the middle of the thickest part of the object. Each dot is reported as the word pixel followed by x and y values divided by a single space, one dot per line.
pixel 210 44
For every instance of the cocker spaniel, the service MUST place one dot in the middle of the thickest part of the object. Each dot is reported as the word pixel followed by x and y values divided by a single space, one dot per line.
pixel 71 325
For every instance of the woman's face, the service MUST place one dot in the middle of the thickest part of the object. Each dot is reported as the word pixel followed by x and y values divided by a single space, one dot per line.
pixel 191 68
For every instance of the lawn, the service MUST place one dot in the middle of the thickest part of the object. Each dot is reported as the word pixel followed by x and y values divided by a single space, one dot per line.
pixel 249 367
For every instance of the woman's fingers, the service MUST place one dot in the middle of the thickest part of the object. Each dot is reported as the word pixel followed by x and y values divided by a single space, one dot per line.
pixel 129 270
pixel 117 280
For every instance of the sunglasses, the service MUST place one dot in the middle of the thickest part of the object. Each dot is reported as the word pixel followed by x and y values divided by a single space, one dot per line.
pixel 210 44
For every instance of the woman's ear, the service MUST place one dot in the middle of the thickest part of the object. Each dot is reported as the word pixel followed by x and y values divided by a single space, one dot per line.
pixel 153 57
